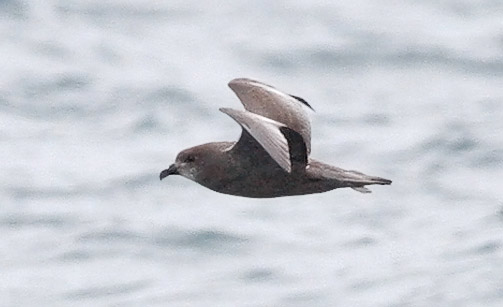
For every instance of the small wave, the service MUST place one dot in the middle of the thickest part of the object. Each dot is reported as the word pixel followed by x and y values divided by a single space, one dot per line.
pixel 112 235
pixel 30 220
pixel 111 290
pixel 349 58
pixel 13 8
pixel 259 275
pixel 486 248
pixel 361 242
pixel 204 240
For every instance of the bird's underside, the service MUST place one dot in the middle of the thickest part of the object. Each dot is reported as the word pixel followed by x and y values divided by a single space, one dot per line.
pixel 264 183
pixel 259 176
pixel 271 158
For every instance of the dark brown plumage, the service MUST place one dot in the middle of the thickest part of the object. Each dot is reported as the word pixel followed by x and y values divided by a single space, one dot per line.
pixel 271 158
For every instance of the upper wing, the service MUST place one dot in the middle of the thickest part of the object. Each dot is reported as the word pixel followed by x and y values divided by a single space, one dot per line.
pixel 284 145
pixel 265 100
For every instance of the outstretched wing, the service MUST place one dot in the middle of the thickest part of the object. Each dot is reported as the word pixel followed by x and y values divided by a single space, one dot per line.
pixel 267 101
pixel 284 145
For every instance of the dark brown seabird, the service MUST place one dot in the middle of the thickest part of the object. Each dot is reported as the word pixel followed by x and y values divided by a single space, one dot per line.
pixel 271 158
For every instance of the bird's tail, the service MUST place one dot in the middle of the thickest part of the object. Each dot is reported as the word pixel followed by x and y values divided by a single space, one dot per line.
pixel 358 181
pixel 342 178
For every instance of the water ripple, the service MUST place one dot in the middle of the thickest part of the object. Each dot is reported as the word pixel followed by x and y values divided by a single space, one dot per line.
pixel 30 220
pixel 105 291
pixel 205 240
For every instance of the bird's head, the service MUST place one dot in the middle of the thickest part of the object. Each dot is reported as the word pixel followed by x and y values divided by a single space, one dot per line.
pixel 197 163
pixel 186 164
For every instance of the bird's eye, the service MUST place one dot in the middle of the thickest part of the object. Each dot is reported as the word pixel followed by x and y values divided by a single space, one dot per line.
pixel 189 159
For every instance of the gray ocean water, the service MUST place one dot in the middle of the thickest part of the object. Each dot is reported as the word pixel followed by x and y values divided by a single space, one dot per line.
pixel 97 97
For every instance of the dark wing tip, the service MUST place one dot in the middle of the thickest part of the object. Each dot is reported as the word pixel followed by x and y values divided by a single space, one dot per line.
pixel 302 100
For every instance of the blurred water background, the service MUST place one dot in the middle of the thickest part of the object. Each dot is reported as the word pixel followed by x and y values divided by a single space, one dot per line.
pixel 97 97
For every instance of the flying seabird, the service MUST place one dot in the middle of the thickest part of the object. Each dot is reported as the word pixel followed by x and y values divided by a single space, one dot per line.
pixel 271 158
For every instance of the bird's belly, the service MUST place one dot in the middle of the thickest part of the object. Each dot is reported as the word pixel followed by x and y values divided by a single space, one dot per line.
pixel 271 185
